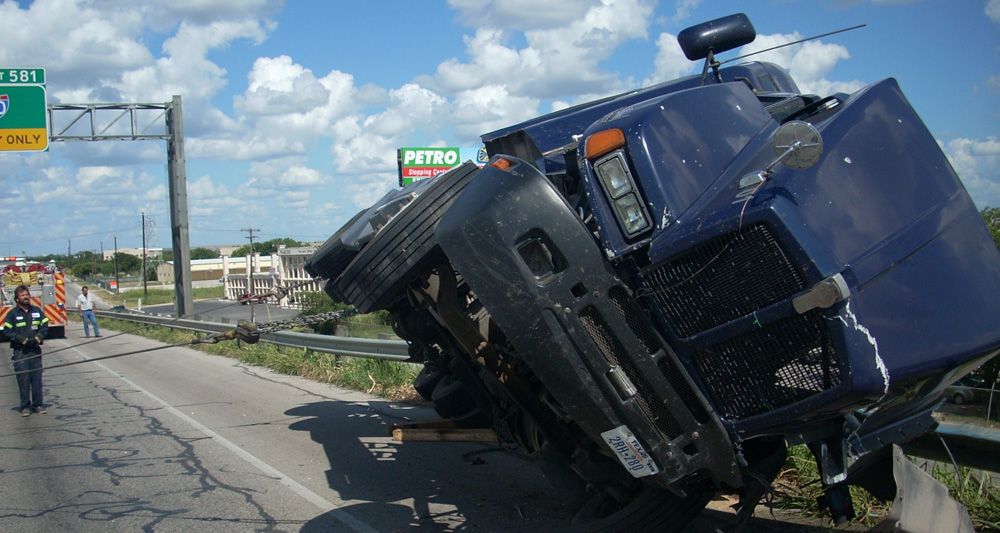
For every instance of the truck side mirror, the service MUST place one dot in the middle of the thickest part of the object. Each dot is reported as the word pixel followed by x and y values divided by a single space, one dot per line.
pixel 716 36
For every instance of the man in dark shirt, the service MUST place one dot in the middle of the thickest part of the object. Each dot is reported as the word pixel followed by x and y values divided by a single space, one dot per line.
pixel 25 327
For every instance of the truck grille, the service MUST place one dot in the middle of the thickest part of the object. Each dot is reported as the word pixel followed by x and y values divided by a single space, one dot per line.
pixel 639 324
pixel 724 279
pixel 770 367
pixel 649 401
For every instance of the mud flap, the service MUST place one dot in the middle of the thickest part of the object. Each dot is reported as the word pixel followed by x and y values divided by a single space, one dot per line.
pixel 922 504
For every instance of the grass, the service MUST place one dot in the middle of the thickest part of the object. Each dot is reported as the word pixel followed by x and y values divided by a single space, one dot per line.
pixel 388 379
pixel 798 488
pixel 156 296
pixel 367 327
pixel 976 490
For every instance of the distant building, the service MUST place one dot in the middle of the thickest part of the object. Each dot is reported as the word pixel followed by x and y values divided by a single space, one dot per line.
pixel 224 250
pixel 283 268
pixel 286 272
pixel 152 254
pixel 215 269
pixel 292 274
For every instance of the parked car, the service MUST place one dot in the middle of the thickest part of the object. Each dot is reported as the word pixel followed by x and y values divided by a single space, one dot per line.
pixel 960 392
pixel 247 297
pixel 652 294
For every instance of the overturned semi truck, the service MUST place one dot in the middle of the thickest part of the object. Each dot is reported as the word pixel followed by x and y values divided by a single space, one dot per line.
pixel 652 295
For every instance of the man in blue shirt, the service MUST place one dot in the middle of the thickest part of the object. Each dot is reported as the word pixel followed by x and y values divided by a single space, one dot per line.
pixel 25 327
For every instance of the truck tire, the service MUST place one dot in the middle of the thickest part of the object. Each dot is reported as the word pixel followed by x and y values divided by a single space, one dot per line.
pixel 404 246
pixel 654 509
pixel 426 381
pixel 329 260
pixel 450 398
pixel 333 292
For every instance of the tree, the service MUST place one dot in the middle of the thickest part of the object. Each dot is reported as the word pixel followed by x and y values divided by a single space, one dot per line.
pixel 315 303
pixel 266 247
pixel 82 269
pixel 126 263
pixel 86 264
pixel 991 216
pixel 991 370
pixel 203 253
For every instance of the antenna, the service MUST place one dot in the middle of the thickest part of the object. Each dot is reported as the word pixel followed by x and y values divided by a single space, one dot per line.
pixel 789 44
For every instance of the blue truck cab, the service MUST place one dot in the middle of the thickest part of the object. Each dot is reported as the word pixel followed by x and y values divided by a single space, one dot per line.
pixel 654 294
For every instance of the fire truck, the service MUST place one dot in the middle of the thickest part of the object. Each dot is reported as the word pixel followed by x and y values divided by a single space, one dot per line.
pixel 47 283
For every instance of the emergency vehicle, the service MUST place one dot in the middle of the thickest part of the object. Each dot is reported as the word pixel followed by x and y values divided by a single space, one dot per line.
pixel 47 283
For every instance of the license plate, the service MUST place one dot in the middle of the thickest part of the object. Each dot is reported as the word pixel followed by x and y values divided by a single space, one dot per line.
pixel 633 457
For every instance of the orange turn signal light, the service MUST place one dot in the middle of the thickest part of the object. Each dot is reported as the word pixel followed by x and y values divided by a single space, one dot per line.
pixel 500 163
pixel 603 142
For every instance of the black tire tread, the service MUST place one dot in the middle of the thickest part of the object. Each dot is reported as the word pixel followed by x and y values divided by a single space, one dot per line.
pixel 403 246
pixel 329 260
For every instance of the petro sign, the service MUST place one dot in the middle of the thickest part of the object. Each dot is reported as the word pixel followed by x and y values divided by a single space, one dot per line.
pixel 24 124
pixel 419 163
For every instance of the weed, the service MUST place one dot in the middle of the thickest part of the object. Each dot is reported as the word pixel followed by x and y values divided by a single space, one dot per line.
pixel 975 489
pixel 389 379
pixel 798 487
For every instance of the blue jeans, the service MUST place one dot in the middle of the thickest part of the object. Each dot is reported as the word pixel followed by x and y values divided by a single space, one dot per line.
pixel 29 384
pixel 88 314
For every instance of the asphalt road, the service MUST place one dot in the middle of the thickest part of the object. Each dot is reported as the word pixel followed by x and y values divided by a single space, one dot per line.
pixel 216 310
pixel 177 440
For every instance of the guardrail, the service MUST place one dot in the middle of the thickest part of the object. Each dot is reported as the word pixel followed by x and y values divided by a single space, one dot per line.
pixel 390 350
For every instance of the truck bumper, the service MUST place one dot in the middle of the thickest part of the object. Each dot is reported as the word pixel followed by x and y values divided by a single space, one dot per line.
pixel 548 285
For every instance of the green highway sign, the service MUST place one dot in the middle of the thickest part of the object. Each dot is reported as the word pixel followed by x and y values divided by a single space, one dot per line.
pixel 24 124
pixel 24 76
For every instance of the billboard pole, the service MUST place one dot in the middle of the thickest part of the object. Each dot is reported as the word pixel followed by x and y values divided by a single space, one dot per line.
pixel 178 209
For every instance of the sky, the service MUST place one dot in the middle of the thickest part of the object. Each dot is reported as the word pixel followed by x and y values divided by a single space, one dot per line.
pixel 293 111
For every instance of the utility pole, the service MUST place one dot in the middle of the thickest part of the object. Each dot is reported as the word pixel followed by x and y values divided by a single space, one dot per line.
pixel 183 305
pixel 144 271
pixel 118 289
pixel 250 270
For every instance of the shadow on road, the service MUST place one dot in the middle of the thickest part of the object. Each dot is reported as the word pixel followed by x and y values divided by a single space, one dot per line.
pixel 425 486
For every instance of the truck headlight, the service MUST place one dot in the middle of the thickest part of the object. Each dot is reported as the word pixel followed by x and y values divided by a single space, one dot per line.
pixel 614 177
pixel 631 214
pixel 618 184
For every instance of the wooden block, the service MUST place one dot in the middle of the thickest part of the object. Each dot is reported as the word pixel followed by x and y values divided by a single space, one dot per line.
pixel 444 435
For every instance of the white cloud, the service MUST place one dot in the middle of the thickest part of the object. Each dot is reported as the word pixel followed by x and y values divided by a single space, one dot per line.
pixel 808 63
pixel 277 86
pixel 512 13
pixel 363 190
pixel 992 10
pixel 557 61
pixel 669 63
pixel 683 9
pixel 488 108
pixel 977 162
pixel 365 145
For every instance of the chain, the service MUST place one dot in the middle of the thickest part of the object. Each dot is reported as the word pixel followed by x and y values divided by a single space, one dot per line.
pixel 250 332
pixel 282 325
